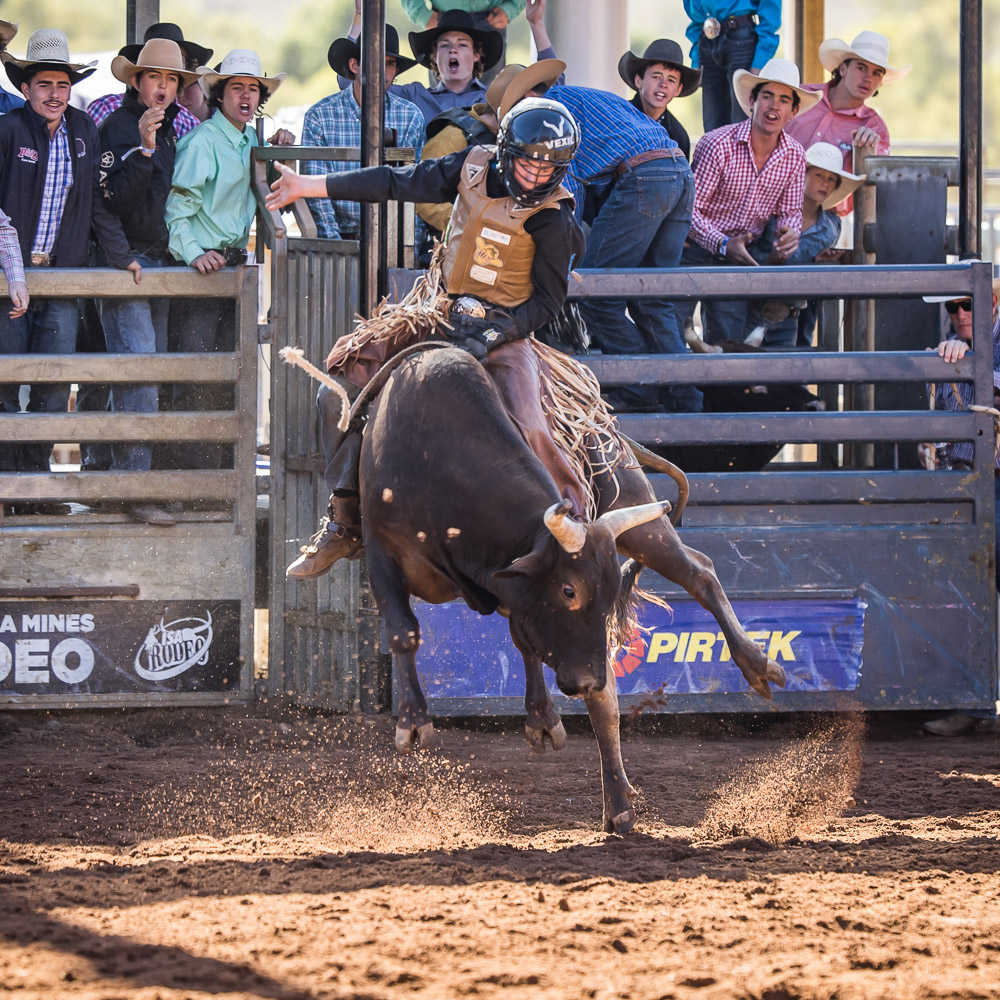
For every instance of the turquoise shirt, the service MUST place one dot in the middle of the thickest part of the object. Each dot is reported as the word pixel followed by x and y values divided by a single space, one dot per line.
pixel 210 204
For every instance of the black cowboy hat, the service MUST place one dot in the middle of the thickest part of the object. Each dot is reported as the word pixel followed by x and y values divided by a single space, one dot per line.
pixel 423 42
pixel 167 29
pixel 343 50
pixel 663 50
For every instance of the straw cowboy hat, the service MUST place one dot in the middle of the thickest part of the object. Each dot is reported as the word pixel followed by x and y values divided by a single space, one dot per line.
pixel 782 71
pixel 8 29
pixel 545 71
pixel 48 48
pixel 423 42
pixel 343 50
pixel 239 62
pixel 868 46
pixel 663 50
pixel 825 156
pixel 157 53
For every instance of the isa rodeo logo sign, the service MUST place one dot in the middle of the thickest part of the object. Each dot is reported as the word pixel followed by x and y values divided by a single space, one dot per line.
pixel 680 651
pixel 115 647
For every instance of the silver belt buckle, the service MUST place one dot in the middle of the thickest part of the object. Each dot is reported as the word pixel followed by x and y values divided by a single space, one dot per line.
pixel 712 27
pixel 467 305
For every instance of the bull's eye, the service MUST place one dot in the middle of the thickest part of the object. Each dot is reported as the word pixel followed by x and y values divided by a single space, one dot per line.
pixel 568 592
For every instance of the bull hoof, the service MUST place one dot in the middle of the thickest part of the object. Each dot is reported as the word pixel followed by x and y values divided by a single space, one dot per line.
pixel 775 673
pixel 415 737
pixel 621 824
pixel 556 735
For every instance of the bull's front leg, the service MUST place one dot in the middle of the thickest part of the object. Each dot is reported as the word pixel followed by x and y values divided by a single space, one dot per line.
pixel 658 546
pixel 541 718
pixel 414 728
pixel 618 794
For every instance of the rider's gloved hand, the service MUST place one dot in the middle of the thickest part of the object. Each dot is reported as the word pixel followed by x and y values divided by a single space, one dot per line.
pixel 479 335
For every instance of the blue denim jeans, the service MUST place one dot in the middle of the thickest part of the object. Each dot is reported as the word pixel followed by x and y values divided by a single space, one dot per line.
pixel 48 327
pixel 643 223
pixel 203 325
pixel 722 320
pixel 135 326
pixel 720 58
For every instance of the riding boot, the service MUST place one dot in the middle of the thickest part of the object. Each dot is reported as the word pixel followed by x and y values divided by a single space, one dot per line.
pixel 339 535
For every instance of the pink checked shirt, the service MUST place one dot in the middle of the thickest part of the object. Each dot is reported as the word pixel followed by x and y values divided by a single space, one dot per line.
pixel 732 198
pixel 822 124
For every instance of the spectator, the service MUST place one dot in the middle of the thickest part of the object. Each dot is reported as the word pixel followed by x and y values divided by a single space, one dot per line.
pixel 138 146
pixel 645 191
pixel 657 78
pixel 726 36
pixel 336 121
pixel 827 184
pixel 462 52
pixel 959 455
pixel 841 117
pixel 50 187
pixel 209 211
pixel 453 130
pixel 194 56
pixel 744 174
pixel 8 101
pixel 486 14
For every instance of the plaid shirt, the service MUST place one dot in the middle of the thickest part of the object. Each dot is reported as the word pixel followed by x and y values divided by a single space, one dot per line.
pixel 58 181
pixel 730 196
pixel 336 121
pixel 102 107
pixel 944 399
pixel 10 251
pixel 611 130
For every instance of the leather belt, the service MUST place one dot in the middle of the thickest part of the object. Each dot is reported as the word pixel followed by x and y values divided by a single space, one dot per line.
pixel 233 256
pixel 41 259
pixel 713 27
pixel 651 154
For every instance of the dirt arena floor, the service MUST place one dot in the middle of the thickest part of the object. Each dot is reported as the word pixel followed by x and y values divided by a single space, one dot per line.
pixel 199 854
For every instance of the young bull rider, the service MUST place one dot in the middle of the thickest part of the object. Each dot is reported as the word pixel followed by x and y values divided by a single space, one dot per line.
pixel 510 245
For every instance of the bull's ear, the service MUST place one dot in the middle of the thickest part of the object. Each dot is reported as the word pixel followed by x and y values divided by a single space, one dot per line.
pixel 529 565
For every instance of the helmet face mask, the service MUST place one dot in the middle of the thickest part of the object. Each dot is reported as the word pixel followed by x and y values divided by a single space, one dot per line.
pixel 536 133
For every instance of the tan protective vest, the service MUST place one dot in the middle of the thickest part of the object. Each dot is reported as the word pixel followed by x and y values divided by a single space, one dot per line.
pixel 488 254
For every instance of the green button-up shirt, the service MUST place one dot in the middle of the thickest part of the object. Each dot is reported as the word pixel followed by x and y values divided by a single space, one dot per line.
pixel 210 204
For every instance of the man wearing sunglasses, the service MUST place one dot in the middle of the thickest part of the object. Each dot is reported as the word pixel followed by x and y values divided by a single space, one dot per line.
pixel 959 455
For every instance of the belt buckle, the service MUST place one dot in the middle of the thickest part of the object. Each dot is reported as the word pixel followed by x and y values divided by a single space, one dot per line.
pixel 39 259
pixel 712 28
pixel 467 305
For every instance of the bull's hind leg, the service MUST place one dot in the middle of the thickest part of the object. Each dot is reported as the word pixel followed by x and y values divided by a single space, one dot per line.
pixel 541 718
pixel 619 811
pixel 414 728
pixel 658 546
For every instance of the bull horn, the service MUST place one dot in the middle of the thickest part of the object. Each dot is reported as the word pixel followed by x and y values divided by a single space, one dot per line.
pixel 620 521
pixel 570 534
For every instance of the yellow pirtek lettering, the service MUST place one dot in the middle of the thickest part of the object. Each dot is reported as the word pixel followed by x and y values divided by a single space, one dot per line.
pixel 662 644
pixel 709 647
pixel 486 254
pixel 700 642
pixel 781 645
pixel 724 655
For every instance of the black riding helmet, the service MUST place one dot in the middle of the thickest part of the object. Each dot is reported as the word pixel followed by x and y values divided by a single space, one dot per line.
pixel 541 130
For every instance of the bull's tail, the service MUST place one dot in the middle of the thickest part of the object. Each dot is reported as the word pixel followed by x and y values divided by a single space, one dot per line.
pixel 623 622
pixel 650 460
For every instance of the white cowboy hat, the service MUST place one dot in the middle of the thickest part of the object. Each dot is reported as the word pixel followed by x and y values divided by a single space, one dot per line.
pixel 240 62
pixel 826 156
pixel 869 47
pixel 47 47
pixel 782 71
pixel 157 53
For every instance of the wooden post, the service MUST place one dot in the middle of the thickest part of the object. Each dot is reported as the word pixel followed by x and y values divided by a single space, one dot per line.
pixel 810 16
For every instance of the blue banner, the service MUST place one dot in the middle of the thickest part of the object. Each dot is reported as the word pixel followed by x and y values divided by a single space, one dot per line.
pixel 680 651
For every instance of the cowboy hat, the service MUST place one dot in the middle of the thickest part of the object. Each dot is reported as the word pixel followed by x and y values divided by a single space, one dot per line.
pixel 782 71
pixel 8 29
pixel 826 156
pixel 423 42
pixel 545 71
pixel 868 46
pixel 167 29
pixel 663 50
pixel 239 62
pixel 343 50
pixel 48 48
pixel 157 53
